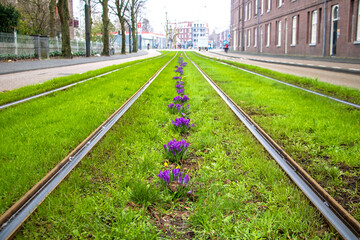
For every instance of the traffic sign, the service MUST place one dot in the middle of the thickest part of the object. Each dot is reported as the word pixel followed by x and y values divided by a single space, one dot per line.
pixel 139 25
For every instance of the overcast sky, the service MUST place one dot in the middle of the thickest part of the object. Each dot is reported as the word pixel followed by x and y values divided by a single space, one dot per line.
pixel 216 13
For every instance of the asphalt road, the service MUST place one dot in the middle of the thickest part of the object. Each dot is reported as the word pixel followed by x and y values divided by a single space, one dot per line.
pixel 333 76
pixel 21 74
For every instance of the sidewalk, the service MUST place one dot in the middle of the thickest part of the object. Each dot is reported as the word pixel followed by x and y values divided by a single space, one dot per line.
pixel 330 64
pixel 21 66
pixel 14 75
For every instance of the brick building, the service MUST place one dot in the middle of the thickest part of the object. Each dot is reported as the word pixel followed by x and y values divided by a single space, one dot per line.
pixel 296 27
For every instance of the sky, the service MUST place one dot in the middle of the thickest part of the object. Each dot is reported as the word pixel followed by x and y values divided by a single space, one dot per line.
pixel 216 13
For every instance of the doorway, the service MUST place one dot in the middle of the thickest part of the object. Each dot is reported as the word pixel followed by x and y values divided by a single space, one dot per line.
pixel 334 29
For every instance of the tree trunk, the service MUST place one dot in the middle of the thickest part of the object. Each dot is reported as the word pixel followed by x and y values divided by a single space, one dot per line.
pixel 123 33
pixel 52 8
pixel 105 19
pixel 65 31
pixel 133 26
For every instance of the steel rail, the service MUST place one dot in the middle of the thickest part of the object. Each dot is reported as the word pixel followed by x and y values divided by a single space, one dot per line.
pixel 335 214
pixel 71 85
pixel 15 216
pixel 288 84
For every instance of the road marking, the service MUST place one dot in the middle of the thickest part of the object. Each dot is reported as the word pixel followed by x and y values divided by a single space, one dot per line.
pixel 354 69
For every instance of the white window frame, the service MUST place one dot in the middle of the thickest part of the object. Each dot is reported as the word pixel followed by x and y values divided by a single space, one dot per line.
pixel 255 8
pixel 249 37
pixel 281 2
pixel 255 37
pixel 358 25
pixel 279 34
pixel 249 8
pixel 261 7
pixel 268 35
pixel 294 31
pixel 268 6
pixel 246 14
pixel 313 36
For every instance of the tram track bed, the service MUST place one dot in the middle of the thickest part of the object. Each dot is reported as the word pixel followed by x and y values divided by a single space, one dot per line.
pixel 7 97
pixel 36 135
pixel 349 94
pixel 320 134
pixel 238 190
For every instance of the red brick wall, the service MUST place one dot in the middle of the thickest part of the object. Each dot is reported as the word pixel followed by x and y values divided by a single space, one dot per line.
pixel 346 45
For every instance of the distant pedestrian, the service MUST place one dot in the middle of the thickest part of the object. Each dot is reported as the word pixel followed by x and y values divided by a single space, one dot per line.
pixel 148 46
pixel 226 48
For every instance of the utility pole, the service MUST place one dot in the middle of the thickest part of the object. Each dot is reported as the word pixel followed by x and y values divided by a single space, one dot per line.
pixel 324 34
pixel 87 28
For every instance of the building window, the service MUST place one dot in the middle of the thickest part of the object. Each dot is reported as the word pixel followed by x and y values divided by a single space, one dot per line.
pixel 280 3
pixel 246 9
pixel 249 38
pixel 294 30
pixel 358 25
pixel 249 11
pixel 262 7
pixel 255 37
pixel 313 27
pixel 268 5
pixel 268 35
pixel 255 8
pixel 279 34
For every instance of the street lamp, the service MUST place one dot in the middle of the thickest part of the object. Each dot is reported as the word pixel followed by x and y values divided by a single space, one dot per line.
pixel 87 28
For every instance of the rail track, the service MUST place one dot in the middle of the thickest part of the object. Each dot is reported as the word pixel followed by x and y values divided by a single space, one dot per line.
pixel 14 217
pixel 288 84
pixel 72 84
pixel 335 214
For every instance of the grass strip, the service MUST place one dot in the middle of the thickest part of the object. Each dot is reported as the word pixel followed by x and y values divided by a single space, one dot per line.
pixel 320 134
pixel 36 135
pixel 341 92
pixel 242 193
pixel 31 90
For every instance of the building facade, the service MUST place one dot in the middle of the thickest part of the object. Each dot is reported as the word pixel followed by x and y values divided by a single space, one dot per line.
pixel 188 33
pixel 296 27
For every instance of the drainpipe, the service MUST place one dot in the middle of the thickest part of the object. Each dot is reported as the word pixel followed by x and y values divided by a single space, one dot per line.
pixel 257 29
pixel 324 33
pixel 243 27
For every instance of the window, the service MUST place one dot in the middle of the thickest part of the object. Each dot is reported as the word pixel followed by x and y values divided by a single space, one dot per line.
pixel 313 27
pixel 249 38
pixel 279 34
pixel 262 7
pixel 255 37
pixel 280 3
pixel 249 11
pixel 268 35
pixel 255 8
pixel 294 29
pixel 358 25
pixel 246 9
pixel 268 5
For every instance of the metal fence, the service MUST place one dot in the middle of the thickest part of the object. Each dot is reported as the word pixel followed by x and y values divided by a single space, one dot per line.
pixel 16 45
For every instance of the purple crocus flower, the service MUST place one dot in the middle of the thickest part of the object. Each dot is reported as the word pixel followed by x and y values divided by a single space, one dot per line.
pixel 176 172
pixel 176 77
pixel 166 176
pixel 186 179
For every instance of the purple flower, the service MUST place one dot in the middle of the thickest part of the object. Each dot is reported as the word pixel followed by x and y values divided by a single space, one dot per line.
pixel 176 172
pixel 186 179
pixel 176 150
pixel 176 77
pixel 166 176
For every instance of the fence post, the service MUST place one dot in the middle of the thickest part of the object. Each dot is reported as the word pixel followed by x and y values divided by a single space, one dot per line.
pixel 37 46
pixel 15 42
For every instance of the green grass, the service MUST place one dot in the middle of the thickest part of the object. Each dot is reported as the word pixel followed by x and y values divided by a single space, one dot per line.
pixel 320 134
pixel 36 135
pixel 259 202
pixel 27 91
pixel 341 92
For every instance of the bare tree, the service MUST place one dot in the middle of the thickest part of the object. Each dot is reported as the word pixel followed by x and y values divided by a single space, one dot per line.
pixel 121 7
pixel 106 21
pixel 34 16
pixel 135 6
pixel 65 31
pixel 52 20
pixel 171 33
